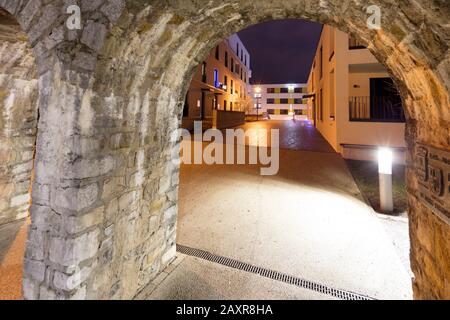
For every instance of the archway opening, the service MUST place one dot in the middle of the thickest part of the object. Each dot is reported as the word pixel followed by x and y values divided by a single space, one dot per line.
pixel 18 126
pixel 310 219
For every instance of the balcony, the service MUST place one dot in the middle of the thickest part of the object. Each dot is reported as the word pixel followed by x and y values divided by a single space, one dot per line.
pixel 376 109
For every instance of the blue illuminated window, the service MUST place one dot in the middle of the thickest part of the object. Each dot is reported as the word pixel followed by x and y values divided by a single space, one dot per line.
pixel 216 78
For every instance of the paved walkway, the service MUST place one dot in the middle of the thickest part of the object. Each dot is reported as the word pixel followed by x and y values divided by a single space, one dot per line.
pixel 13 238
pixel 308 221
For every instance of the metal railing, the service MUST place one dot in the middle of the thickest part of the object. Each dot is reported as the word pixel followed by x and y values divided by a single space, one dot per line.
pixel 376 109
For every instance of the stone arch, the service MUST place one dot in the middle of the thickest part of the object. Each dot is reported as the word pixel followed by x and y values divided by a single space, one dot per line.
pixel 18 119
pixel 411 44
pixel 105 195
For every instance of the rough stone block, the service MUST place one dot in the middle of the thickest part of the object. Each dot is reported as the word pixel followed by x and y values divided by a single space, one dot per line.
pixel 20 200
pixel 90 168
pixel 113 186
pixel 45 21
pixel 69 252
pixel 75 199
pixel 85 61
pixel 35 245
pixel 30 289
pixel 170 214
pixel 23 167
pixel 77 224
pixel 113 9
pixel 154 224
pixel 80 294
pixel 128 201
pixel 41 194
pixel 169 255
pixel 90 5
pixel 94 35
pixel 164 184
pixel 70 282
pixel 34 270
pixel 111 210
pixel 28 12
pixel 46 293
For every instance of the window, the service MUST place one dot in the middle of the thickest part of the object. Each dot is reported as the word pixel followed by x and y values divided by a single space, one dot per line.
pixel 313 80
pixel 231 106
pixel 321 62
pixel 204 72
pixel 284 111
pixel 270 90
pixel 245 76
pixel 284 101
pixel 284 90
pixel 216 78
pixel 332 94
pixel 271 111
pixel 242 55
pixel 242 74
pixel 217 53
pixel 232 65
pixel 232 87
pixel 270 101
pixel 225 82
pixel 225 105
pixel 226 59
pixel 237 49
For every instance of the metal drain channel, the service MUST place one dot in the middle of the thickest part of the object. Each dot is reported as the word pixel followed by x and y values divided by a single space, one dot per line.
pixel 274 275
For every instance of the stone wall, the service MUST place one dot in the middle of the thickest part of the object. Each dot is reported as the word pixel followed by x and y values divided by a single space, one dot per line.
pixel 111 95
pixel 18 119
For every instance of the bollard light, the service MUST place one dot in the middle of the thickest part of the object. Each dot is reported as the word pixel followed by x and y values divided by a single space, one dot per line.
pixel 385 160
pixel 385 157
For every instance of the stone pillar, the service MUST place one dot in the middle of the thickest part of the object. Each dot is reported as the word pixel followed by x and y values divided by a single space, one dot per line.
pixel 18 119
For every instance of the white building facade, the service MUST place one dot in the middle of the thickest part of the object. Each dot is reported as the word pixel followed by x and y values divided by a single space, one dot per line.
pixel 279 101
pixel 355 104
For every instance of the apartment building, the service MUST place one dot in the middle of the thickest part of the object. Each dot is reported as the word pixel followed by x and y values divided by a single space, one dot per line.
pixel 218 92
pixel 354 103
pixel 279 101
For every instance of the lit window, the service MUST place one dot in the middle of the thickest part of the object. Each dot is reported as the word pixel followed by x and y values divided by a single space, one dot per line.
pixel 216 78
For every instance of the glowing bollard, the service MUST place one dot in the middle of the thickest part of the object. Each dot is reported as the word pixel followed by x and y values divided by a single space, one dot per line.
pixel 385 172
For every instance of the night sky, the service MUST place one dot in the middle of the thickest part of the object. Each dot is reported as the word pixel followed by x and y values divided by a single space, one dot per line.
pixel 282 50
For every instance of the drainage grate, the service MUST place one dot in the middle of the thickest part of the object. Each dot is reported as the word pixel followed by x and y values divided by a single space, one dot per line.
pixel 275 275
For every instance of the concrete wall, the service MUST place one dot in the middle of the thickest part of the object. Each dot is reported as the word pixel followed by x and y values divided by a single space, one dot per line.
pixel 111 96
